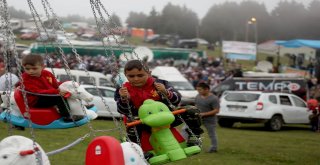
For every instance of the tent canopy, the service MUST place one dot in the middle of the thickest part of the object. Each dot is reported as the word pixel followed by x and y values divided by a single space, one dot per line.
pixel 300 43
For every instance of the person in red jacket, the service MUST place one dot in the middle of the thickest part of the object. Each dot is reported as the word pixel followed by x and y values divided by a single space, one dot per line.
pixel 313 105
pixel 42 87
pixel 140 87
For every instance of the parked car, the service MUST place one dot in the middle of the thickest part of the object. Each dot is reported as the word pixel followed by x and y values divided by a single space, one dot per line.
pixel 81 76
pixel 108 95
pixel 295 85
pixel 46 37
pixel 175 42
pixel 29 36
pixel 274 109
pixel 178 81
pixel 187 43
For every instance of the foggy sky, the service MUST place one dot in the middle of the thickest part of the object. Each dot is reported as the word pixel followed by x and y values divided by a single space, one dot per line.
pixel 123 7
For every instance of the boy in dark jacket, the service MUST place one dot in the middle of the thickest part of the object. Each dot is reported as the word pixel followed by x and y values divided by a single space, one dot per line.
pixel 141 86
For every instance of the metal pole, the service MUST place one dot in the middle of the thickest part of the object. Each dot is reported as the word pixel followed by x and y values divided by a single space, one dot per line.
pixel 247 31
pixel 256 31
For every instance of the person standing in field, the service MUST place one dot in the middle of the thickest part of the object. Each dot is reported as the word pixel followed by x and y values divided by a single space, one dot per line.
pixel 209 106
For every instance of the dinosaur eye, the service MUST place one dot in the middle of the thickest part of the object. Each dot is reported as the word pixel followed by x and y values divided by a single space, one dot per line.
pixel 132 159
pixel 161 110
pixel 5 156
pixel 149 113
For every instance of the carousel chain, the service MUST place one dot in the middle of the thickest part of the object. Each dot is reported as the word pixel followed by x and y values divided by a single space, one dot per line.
pixel 98 28
pixel 117 27
pixel 8 57
pixel 77 56
pixel 96 5
pixel 114 70
pixel 170 104
pixel 6 61
pixel 130 113
pixel 33 12
pixel 10 32
pixel 67 69
pixel 65 63
pixel 36 15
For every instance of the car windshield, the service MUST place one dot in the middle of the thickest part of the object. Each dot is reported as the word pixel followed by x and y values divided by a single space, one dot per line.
pixel 181 85
pixel 242 97
pixel 63 77
pixel 86 80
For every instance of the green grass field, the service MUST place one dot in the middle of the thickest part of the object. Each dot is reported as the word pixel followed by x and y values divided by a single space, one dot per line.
pixel 243 145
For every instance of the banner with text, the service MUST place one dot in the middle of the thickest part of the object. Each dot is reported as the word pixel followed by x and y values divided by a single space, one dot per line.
pixel 239 50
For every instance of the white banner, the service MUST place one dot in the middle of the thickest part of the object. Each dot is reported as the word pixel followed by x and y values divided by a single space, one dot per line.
pixel 237 47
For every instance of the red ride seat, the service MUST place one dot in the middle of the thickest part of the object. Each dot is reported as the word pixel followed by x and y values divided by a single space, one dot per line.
pixel 40 116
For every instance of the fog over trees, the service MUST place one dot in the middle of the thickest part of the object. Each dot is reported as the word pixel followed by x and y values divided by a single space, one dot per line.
pixel 227 21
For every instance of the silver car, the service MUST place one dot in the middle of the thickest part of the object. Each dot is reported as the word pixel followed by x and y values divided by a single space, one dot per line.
pixel 108 95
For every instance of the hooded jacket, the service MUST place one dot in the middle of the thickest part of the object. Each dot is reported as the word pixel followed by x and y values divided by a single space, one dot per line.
pixel 147 91
pixel 45 84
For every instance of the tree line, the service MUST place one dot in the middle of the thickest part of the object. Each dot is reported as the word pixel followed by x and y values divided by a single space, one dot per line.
pixel 229 21
pixel 226 21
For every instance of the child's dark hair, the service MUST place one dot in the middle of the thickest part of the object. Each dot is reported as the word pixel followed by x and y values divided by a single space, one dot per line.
pixel 135 64
pixel 32 60
pixel 203 85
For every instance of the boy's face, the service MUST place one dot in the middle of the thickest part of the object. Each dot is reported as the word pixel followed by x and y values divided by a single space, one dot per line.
pixel 137 77
pixel 33 70
pixel 203 91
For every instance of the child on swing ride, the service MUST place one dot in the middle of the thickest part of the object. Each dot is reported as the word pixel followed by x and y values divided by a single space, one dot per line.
pixel 42 87
pixel 140 87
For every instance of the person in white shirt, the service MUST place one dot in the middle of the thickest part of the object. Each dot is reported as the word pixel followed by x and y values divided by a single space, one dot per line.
pixel 7 80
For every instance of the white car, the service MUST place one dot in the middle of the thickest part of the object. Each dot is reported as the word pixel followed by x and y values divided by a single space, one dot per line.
pixel 273 109
pixel 108 95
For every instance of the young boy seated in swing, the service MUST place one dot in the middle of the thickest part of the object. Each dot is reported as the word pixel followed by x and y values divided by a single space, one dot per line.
pixel 140 87
pixel 42 87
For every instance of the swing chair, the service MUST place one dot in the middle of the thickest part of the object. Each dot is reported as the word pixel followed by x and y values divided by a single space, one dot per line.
pixel 45 118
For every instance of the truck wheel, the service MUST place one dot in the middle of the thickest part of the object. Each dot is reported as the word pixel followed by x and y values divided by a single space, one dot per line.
pixel 275 123
pixel 225 123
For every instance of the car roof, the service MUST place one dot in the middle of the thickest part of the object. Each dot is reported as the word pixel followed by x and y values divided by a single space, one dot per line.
pixel 75 72
pixel 103 87
pixel 260 92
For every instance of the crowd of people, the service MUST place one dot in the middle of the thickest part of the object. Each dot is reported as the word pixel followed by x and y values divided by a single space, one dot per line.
pixel 196 69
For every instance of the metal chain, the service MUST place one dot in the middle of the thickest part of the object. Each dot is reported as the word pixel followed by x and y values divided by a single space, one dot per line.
pixel 117 27
pixel 9 31
pixel 104 24
pixel 80 61
pixel 35 14
pixel 7 62
pixel 98 3
pixel 115 69
pixel 36 17
pixel 45 2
